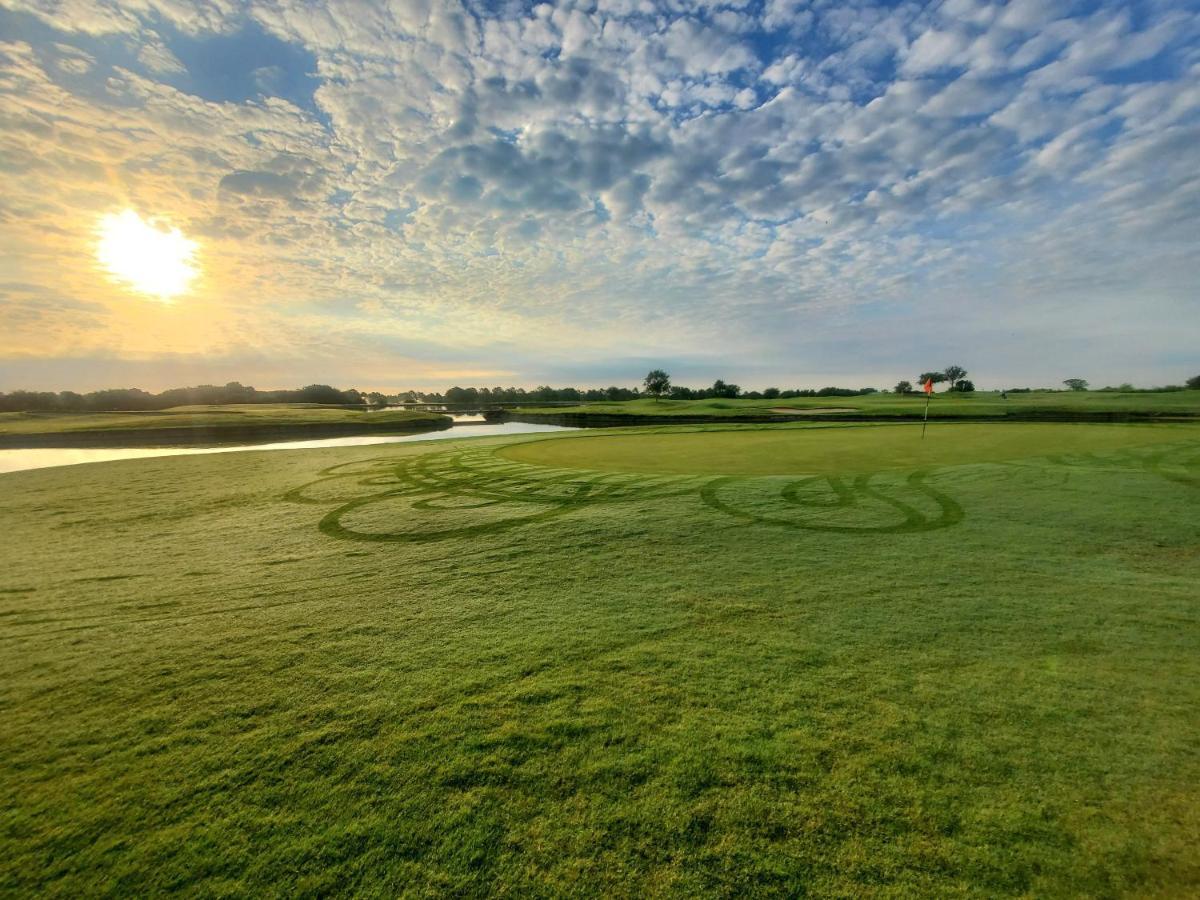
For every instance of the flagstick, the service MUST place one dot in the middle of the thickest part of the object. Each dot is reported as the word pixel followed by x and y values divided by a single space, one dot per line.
pixel 926 420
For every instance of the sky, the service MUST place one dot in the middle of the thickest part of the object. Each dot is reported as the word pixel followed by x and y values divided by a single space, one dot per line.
pixel 418 193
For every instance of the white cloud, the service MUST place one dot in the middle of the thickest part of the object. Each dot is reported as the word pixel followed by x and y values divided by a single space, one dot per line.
pixel 467 176
pixel 935 50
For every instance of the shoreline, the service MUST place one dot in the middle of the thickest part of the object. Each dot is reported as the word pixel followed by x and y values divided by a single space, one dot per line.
pixel 608 420
pixel 210 436
pixel 239 434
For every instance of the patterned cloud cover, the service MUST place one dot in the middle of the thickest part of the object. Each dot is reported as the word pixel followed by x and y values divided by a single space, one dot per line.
pixel 417 192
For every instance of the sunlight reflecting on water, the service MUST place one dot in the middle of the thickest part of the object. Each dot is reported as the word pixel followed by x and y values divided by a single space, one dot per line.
pixel 43 457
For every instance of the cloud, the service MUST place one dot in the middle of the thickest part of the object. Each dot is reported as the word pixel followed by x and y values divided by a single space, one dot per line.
pixel 935 50
pixel 258 184
pixel 720 181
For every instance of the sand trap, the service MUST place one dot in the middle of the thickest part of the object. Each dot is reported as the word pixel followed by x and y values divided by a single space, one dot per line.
pixel 813 411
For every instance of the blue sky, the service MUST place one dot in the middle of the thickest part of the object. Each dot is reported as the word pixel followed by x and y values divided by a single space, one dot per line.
pixel 420 193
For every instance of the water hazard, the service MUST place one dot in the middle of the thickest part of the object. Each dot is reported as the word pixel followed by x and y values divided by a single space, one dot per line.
pixel 42 457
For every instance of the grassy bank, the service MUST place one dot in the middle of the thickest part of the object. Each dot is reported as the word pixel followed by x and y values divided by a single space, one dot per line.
pixel 214 422
pixel 434 668
pixel 943 405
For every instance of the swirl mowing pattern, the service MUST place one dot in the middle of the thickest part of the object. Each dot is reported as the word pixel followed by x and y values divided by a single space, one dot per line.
pixel 467 493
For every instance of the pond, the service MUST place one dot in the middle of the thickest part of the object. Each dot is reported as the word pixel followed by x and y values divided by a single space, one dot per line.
pixel 42 457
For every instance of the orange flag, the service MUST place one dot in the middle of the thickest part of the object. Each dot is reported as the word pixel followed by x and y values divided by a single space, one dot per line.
pixel 927 387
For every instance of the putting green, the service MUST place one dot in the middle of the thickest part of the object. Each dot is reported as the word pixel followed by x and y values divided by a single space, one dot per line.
pixel 828 451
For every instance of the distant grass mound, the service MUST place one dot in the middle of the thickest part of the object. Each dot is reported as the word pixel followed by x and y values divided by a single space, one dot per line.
pixel 444 668
pixel 234 420
pixel 981 404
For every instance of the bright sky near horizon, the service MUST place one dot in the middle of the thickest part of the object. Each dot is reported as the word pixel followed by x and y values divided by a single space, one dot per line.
pixel 417 193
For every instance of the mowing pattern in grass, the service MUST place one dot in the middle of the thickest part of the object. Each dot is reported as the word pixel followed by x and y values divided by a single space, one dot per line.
pixel 470 493
pixel 461 494
pixel 639 695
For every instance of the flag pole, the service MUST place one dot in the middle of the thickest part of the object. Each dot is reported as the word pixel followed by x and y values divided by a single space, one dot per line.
pixel 927 387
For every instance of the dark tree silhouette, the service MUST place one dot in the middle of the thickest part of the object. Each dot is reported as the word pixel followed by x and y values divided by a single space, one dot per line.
pixel 955 374
pixel 657 382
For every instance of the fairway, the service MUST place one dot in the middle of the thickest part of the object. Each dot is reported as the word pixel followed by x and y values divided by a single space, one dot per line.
pixel 436 668
pixel 832 450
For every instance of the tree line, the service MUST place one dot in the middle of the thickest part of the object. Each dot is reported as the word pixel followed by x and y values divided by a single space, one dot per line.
pixel 657 384
pixel 471 396
pixel 113 399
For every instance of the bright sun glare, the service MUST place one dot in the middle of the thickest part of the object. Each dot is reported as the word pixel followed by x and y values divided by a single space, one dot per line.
pixel 153 260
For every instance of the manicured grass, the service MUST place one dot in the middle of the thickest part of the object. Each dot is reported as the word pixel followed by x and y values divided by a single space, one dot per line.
pixel 432 668
pixel 249 415
pixel 981 403
pixel 830 450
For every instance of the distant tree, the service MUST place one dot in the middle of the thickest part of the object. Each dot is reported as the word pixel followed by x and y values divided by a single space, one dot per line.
pixel 377 399
pixel 771 393
pixel 955 374
pixel 721 389
pixel 1193 383
pixel 320 393
pixel 70 400
pixel 124 398
pixel 963 386
pixel 657 382
pixel 935 377
pixel 903 387
pixel 1076 384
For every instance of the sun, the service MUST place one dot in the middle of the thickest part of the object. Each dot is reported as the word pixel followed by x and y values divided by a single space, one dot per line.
pixel 146 256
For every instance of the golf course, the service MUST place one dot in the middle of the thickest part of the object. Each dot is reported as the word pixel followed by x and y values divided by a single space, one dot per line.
pixel 810 658
pixel 650 450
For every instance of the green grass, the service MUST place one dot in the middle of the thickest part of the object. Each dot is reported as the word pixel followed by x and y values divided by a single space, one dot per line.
pixel 249 415
pixel 982 403
pixel 432 668
pixel 828 450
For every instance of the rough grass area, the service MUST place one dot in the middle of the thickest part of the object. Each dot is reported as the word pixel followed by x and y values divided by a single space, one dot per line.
pixel 981 403
pixel 261 415
pixel 434 669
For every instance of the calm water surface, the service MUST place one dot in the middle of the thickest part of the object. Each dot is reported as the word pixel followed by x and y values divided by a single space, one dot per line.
pixel 41 457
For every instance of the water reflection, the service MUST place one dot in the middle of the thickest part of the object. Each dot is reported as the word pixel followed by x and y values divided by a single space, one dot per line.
pixel 42 457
